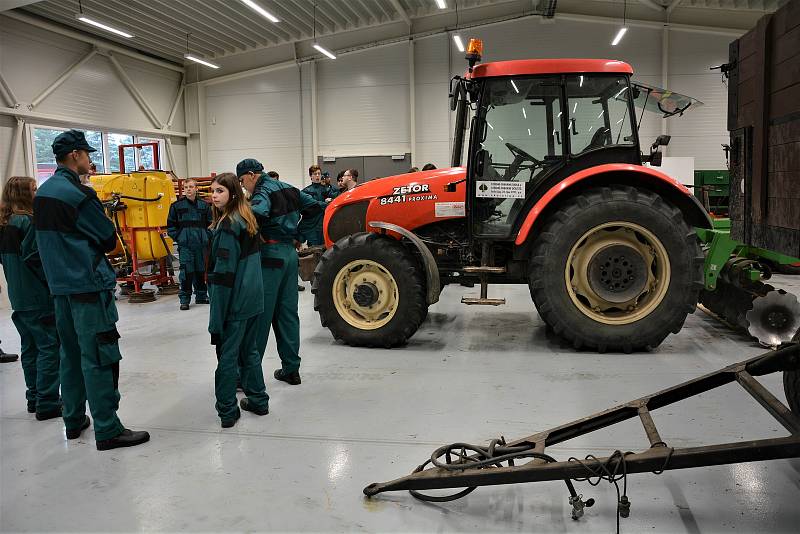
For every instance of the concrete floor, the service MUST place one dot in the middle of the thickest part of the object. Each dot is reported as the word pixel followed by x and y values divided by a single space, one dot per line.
pixel 361 416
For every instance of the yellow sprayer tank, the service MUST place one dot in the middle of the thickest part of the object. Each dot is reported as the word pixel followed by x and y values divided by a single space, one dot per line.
pixel 140 214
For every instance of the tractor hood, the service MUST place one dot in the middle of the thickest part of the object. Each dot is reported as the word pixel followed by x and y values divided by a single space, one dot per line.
pixel 435 179
pixel 409 200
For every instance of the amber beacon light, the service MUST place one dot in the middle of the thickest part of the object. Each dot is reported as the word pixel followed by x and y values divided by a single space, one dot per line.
pixel 474 52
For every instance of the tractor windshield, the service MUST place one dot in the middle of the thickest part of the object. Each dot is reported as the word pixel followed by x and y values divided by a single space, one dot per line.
pixel 599 112
pixel 662 101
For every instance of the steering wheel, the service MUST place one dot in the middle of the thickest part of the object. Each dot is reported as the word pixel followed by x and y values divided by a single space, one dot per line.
pixel 520 156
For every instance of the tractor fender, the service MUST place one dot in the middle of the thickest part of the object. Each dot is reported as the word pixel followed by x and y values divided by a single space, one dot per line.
pixel 431 270
pixel 634 175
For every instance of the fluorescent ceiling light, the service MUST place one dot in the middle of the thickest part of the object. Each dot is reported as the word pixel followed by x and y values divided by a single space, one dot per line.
pixel 576 107
pixel 500 138
pixel 490 125
pixel 260 10
pixel 525 115
pixel 601 114
pixel 581 84
pixel 459 43
pixel 622 119
pixel 201 61
pixel 620 92
pixel 560 113
pixel 324 51
pixel 619 36
pixel 529 131
pixel 441 4
pixel 514 86
pixel 102 26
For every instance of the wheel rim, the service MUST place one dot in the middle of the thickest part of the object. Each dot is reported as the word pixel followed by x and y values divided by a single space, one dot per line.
pixel 617 273
pixel 365 294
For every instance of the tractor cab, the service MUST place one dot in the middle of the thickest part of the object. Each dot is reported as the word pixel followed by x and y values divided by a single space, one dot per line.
pixel 536 122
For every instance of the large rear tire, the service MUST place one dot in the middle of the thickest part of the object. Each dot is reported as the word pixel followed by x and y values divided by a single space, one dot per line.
pixel 616 269
pixel 369 291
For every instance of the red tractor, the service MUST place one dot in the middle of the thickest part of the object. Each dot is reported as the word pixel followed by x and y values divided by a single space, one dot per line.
pixel 554 195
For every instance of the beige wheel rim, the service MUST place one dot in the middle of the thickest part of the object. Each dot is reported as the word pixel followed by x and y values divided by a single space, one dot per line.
pixel 365 294
pixel 617 273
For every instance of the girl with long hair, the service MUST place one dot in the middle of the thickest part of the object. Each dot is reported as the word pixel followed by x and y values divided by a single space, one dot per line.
pixel 236 292
pixel 33 311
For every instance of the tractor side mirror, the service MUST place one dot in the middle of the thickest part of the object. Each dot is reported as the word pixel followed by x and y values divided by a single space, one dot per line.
pixel 661 140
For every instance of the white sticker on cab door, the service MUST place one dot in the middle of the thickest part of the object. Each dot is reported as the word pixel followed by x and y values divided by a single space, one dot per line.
pixel 494 189
pixel 450 209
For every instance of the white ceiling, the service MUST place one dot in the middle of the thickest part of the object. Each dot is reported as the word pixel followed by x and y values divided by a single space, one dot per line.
pixel 223 28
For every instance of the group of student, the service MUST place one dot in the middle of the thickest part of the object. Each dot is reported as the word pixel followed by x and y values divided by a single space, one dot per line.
pixel 53 245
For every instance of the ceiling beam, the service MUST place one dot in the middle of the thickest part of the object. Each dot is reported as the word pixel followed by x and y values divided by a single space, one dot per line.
pixel 264 41
pixel 148 21
pixel 328 25
pixel 334 13
pixel 82 36
pixel 144 40
pixel 401 11
pixel 198 24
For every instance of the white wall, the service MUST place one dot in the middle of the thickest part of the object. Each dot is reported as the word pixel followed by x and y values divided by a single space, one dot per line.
pixel 31 59
pixel 363 100
pixel 256 117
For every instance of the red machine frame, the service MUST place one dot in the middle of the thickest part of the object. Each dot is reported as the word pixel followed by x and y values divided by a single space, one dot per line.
pixel 163 277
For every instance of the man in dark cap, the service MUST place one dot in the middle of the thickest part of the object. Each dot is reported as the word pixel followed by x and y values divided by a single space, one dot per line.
pixel 73 234
pixel 278 207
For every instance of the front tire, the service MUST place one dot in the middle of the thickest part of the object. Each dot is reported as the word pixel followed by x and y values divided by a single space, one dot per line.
pixel 616 269
pixel 369 291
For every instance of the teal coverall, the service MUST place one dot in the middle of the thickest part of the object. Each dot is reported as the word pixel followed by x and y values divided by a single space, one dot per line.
pixel 310 226
pixel 187 225
pixel 277 206
pixel 73 234
pixel 234 278
pixel 33 315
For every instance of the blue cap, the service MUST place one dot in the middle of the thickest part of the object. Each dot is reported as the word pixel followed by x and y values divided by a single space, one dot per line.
pixel 66 142
pixel 248 165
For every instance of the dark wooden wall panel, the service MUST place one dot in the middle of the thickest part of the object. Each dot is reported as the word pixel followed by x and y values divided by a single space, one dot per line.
pixel 764 119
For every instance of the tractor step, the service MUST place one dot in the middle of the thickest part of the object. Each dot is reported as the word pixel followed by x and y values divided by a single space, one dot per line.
pixel 484 269
pixel 483 301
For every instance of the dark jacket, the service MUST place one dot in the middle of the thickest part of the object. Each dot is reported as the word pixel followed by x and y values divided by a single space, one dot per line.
pixel 27 287
pixel 188 222
pixel 235 287
pixel 73 235
pixel 278 207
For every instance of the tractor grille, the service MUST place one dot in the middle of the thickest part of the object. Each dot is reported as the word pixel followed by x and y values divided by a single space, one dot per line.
pixel 348 220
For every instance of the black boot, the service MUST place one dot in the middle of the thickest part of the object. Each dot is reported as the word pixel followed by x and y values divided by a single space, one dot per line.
pixel 228 423
pixel 289 378
pixel 128 438
pixel 245 404
pixel 8 358
pixel 52 414
pixel 184 307
pixel 32 406
pixel 75 433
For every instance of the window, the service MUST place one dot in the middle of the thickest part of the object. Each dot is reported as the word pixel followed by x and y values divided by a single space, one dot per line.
pixel 598 112
pixel 146 155
pixel 44 160
pixel 521 142
pixel 114 141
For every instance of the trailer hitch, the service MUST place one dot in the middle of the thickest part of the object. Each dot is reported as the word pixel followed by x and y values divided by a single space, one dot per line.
pixel 461 465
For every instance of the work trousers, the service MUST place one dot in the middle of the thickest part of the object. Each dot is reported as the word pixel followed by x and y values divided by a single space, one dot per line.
pixel 192 274
pixel 39 356
pixel 279 275
pixel 238 347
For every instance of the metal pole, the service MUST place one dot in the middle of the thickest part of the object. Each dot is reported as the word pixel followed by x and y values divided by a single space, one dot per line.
pixel 12 152
pixel 181 89
pixel 126 81
pixel 7 93
pixel 170 155
pixel 314 125
pixel 61 79
pixel 412 102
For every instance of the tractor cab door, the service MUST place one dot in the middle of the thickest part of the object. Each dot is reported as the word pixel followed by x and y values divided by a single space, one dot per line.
pixel 516 142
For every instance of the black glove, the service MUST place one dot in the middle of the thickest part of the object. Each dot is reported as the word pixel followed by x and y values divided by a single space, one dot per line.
pixel 216 339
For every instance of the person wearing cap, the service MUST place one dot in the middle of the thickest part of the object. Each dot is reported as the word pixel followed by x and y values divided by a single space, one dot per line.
pixel 73 234
pixel 187 225
pixel 310 227
pixel 278 207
